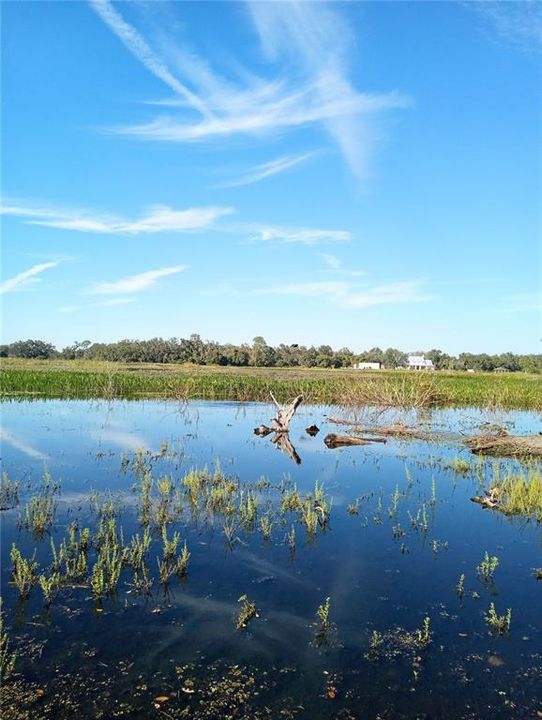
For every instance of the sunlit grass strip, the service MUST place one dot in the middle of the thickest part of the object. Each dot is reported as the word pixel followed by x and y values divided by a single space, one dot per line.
pixel 88 379
pixel 520 493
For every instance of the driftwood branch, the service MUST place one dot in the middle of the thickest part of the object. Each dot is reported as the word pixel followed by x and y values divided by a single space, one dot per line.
pixel 280 426
pixel 281 422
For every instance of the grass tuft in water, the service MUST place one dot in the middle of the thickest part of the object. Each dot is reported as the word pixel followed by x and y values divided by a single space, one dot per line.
pixel 7 658
pixel 247 612
pixel 520 492
pixel 23 572
pixel 40 511
pixel 9 492
pixel 50 586
pixel 487 567
pixel 323 625
pixel 499 624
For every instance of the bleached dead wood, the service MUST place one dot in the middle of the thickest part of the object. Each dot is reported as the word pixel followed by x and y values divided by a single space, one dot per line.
pixel 281 422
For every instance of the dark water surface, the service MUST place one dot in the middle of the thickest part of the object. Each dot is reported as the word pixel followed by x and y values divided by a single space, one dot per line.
pixel 382 570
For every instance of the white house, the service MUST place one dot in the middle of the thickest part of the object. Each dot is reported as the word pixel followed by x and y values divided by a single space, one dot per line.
pixel 419 362
pixel 367 366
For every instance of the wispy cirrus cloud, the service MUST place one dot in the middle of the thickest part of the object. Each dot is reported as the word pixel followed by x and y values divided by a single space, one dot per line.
pixel 115 301
pixel 348 295
pixel 268 169
pixel 523 302
pixel 333 263
pixel 135 283
pixel 304 236
pixel 307 45
pixel 518 23
pixel 25 278
pixel 157 219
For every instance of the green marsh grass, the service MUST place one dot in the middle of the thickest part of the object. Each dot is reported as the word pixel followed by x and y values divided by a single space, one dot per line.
pixel 94 379
pixel 520 492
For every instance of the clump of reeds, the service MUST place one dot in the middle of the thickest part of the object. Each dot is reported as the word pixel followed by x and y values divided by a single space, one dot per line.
pixel 520 492
pixel 112 556
pixel 247 612
pixel 145 503
pixel 487 567
pixel 499 624
pixel 291 541
pixel 50 586
pixel 266 526
pixel 323 618
pixel 40 511
pixel 9 492
pixel 423 634
pixel 291 500
pixel 7 658
pixel 171 563
pixel 248 508
pixel 165 501
pixel 23 571
pixel 138 549
pixel 459 466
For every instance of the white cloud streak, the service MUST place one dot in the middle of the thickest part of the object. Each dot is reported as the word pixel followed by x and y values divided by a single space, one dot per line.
pixel 115 301
pixel 25 278
pixel 137 45
pixel 268 169
pixel 333 263
pixel 346 295
pixel 157 219
pixel 306 44
pixel 135 283
pixel 304 236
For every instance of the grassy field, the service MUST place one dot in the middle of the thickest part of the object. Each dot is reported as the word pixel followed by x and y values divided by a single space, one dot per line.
pixel 92 379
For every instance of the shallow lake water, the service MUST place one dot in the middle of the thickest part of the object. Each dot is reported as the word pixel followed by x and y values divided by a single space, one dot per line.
pixel 399 533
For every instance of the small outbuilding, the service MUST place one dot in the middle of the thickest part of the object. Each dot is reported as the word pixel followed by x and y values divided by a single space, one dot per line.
pixel 419 362
pixel 367 366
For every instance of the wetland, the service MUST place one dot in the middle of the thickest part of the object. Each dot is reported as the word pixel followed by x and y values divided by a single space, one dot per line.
pixel 159 559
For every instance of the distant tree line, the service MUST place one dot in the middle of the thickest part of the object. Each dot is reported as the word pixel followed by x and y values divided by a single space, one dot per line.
pixel 260 354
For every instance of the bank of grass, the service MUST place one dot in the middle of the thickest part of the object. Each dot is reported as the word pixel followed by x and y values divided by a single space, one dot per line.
pixel 85 379
pixel 520 492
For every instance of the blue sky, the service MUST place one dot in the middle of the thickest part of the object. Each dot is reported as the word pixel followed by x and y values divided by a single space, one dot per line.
pixel 356 174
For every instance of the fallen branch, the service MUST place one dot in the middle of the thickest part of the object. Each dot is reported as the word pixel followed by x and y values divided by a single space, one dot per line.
pixel 334 441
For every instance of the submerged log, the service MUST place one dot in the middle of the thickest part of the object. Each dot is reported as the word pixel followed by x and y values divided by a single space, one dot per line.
pixel 334 441
pixel 506 445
